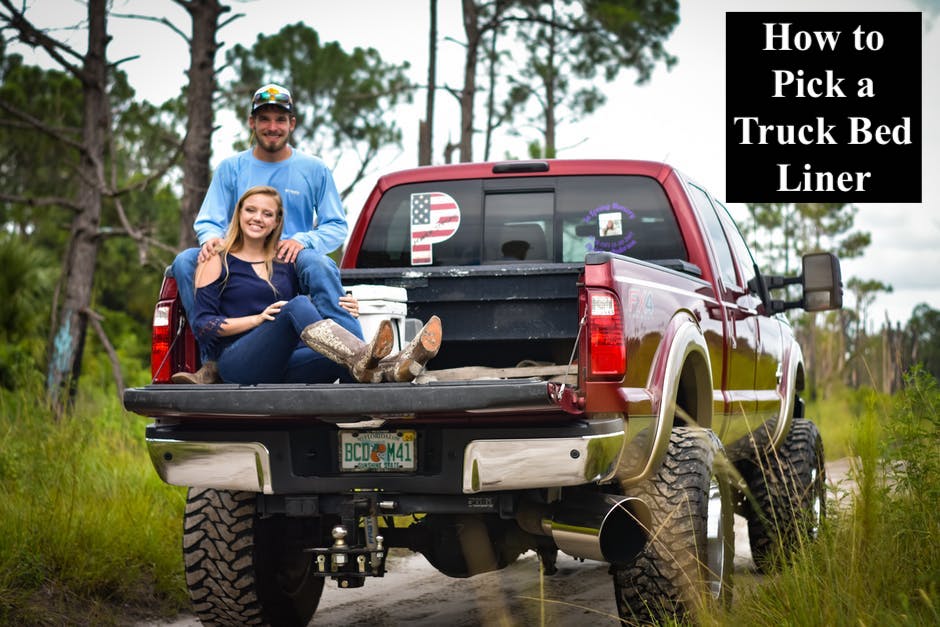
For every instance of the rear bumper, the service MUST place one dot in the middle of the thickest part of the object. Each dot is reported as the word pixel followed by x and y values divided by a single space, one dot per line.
pixel 491 465
pixel 293 460
pixel 243 466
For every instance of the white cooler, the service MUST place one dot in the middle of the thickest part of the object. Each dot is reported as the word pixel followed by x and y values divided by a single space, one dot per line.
pixel 381 302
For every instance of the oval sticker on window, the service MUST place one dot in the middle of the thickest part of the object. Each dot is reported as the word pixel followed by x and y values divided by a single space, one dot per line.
pixel 435 217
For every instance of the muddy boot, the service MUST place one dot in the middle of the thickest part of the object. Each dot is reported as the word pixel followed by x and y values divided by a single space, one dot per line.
pixel 339 345
pixel 410 361
pixel 208 373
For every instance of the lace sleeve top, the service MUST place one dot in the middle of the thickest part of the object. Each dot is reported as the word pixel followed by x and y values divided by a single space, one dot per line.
pixel 240 292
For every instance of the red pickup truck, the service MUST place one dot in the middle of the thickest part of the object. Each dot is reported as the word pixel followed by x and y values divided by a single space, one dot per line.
pixel 608 343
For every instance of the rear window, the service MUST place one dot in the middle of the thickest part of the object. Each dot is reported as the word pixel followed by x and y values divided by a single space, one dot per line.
pixel 521 220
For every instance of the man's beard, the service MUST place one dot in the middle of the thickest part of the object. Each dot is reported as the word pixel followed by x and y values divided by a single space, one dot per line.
pixel 273 144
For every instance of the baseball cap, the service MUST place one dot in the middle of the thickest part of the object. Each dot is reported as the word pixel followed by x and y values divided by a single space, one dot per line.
pixel 272 94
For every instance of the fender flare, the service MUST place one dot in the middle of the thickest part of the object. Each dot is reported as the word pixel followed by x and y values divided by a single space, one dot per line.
pixel 790 373
pixel 683 343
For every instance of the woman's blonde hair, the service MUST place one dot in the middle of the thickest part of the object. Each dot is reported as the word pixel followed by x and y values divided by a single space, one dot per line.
pixel 234 237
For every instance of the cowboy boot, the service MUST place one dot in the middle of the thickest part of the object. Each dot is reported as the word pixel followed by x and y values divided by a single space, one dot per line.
pixel 339 345
pixel 208 373
pixel 408 363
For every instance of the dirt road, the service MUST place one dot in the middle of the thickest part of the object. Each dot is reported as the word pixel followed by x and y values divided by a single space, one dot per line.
pixel 580 593
pixel 413 593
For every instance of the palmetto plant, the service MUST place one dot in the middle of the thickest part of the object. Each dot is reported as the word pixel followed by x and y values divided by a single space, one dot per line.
pixel 27 277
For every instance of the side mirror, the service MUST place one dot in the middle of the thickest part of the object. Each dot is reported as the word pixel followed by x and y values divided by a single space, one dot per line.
pixel 822 282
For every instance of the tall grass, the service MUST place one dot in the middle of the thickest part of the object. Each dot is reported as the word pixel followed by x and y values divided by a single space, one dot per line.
pixel 840 414
pixel 86 526
pixel 877 561
pixel 90 535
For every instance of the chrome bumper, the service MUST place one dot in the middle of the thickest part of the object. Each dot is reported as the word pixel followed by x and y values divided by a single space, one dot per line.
pixel 224 465
pixel 489 465
pixel 495 465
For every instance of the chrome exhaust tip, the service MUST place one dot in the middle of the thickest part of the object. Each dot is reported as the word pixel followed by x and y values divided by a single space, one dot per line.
pixel 604 527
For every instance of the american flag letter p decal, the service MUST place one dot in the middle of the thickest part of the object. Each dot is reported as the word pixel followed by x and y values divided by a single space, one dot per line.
pixel 435 217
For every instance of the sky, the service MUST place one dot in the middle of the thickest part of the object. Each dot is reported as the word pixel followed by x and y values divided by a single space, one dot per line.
pixel 677 117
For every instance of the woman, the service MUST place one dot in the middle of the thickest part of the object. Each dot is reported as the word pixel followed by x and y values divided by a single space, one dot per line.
pixel 250 317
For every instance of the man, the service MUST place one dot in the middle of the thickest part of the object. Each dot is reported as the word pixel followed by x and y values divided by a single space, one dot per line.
pixel 314 220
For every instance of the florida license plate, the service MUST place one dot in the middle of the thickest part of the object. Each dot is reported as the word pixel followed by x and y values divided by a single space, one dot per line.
pixel 377 451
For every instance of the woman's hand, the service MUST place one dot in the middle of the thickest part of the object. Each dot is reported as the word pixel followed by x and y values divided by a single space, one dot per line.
pixel 243 324
pixel 350 304
pixel 270 311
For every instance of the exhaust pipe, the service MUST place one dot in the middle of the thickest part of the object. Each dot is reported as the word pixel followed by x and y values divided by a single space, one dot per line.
pixel 590 525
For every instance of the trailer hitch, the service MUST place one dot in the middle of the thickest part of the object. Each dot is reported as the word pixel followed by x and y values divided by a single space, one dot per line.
pixel 357 552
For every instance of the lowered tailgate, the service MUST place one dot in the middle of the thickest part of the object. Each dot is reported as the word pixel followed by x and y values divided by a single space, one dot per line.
pixel 323 401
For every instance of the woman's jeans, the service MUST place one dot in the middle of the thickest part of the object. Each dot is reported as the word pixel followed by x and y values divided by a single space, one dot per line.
pixel 317 275
pixel 274 353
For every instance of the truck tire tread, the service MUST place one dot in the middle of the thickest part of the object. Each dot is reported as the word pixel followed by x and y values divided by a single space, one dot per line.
pixel 667 579
pixel 231 581
pixel 787 494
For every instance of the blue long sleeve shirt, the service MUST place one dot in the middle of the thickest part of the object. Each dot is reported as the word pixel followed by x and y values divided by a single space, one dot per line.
pixel 242 293
pixel 313 213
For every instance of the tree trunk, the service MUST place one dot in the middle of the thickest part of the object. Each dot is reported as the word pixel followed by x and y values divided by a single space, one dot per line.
pixel 197 147
pixel 492 58
pixel 886 357
pixel 426 139
pixel 471 26
pixel 69 320
pixel 550 150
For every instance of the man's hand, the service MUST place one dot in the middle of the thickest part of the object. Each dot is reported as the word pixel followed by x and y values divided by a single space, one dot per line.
pixel 350 304
pixel 287 250
pixel 210 248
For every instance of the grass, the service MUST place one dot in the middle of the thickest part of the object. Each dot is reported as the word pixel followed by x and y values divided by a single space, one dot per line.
pixel 875 563
pixel 840 414
pixel 88 532
pixel 90 535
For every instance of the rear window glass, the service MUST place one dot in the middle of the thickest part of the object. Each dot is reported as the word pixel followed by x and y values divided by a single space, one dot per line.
pixel 521 220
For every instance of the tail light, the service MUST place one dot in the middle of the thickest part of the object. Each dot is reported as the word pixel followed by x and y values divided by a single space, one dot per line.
pixel 607 353
pixel 162 340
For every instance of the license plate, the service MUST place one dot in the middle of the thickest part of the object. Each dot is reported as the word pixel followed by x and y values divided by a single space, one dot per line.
pixel 377 451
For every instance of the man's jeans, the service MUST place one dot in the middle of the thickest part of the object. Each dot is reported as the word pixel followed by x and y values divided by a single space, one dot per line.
pixel 317 275
pixel 319 278
pixel 273 353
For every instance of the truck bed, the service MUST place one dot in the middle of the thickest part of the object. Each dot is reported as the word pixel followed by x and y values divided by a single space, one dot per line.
pixel 494 316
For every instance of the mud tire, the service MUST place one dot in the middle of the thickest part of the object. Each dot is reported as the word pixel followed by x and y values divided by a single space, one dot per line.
pixel 689 559
pixel 242 569
pixel 787 501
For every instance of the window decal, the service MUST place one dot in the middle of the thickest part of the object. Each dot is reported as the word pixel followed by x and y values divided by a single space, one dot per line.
pixel 435 217
pixel 609 224
pixel 614 233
